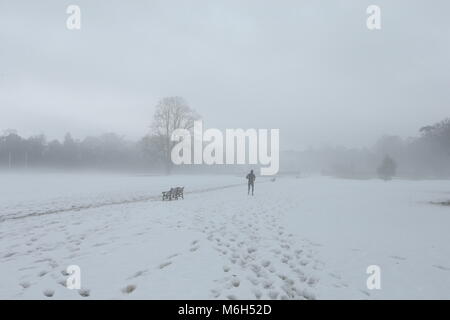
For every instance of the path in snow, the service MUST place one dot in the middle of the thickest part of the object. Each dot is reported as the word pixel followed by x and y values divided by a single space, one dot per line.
pixel 219 243
pixel 99 204
pixel 260 252
pixel 247 251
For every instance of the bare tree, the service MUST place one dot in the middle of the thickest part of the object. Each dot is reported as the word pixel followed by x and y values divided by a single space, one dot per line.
pixel 171 113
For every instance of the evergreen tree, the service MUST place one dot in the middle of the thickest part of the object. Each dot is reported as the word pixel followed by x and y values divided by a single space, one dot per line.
pixel 387 169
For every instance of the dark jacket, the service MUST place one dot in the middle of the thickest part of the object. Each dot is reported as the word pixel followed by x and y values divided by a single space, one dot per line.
pixel 251 178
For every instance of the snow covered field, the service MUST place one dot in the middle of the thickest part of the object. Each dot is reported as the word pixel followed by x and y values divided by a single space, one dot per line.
pixel 295 239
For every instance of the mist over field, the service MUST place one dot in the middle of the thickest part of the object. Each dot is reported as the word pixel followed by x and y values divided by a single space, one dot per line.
pixel 353 120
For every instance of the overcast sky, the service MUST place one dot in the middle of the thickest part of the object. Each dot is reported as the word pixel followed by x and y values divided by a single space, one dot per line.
pixel 310 68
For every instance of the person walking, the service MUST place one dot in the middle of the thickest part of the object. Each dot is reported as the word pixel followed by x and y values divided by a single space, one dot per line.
pixel 251 181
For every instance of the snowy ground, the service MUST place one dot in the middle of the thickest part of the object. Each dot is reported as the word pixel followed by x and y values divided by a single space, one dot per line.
pixel 295 239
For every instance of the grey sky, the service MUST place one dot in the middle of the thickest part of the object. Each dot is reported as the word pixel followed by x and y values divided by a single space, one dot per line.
pixel 310 68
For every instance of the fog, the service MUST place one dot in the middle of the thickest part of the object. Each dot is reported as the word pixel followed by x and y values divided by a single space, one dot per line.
pixel 224 150
pixel 309 68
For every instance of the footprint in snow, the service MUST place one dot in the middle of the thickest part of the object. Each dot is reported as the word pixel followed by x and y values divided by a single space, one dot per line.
pixel 215 293
pixel 138 274
pixel 397 258
pixel 251 250
pixel 42 273
pixel 312 281
pixel 129 289
pixel 164 264
pixel 304 262
pixel 257 293
pixel 273 294
pixel 63 283
pixel 235 282
pixel 334 275
pixel 48 293
pixel 265 263
pixel 8 255
pixel 441 267
pixel 365 292
pixel 173 255
pixel 84 292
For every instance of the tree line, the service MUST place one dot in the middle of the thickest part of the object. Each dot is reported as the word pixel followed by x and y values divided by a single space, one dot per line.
pixel 426 155
pixel 107 151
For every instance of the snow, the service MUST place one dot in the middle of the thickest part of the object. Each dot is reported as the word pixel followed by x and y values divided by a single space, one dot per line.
pixel 309 238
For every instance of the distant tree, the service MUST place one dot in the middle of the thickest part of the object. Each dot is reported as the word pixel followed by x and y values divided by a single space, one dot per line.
pixel 107 151
pixel 70 151
pixel 171 113
pixel 152 147
pixel 54 153
pixel 36 146
pixel 387 169
pixel 439 134
pixel 430 153
pixel 12 148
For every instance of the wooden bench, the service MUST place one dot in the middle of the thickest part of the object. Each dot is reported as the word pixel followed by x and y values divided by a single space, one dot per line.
pixel 179 193
pixel 173 193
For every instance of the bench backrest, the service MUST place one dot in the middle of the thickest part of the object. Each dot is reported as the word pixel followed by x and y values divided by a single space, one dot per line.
pixel 175 190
